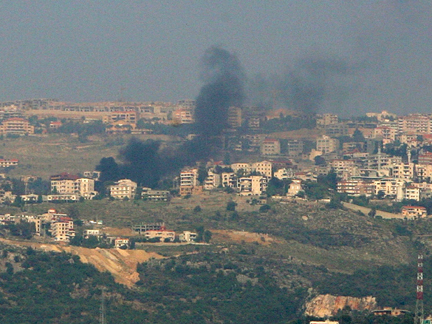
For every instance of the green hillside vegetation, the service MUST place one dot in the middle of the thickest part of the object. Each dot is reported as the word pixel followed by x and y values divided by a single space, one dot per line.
pixel 240 285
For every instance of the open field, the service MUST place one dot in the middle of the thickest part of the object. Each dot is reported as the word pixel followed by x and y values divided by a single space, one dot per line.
pixel 45 155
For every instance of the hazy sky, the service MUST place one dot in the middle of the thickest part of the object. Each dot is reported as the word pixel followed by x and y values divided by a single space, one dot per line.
pixel 88 50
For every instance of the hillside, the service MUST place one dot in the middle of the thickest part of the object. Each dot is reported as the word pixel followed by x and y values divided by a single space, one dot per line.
pixel 121 264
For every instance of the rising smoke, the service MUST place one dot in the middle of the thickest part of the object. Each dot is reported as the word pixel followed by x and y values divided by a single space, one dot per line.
pixel 313 84
pixel 223 87
pixel 146 163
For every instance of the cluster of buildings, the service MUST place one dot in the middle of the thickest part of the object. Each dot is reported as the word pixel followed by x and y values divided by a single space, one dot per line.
pixel 60 226
pixel 247 179
pixel 119 117
pixel 160 232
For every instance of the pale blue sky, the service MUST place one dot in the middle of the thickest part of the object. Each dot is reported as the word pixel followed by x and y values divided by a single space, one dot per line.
pixel 87 50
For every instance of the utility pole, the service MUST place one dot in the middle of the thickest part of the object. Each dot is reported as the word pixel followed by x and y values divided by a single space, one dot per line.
pixel 102 314
pixel 419 311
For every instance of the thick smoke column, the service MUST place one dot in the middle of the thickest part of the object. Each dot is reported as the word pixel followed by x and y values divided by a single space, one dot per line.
pixel 142 162
pixel 224 87
pixel 146 163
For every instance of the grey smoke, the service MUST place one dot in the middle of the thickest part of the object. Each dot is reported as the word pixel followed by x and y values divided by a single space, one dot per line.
pixel 314 83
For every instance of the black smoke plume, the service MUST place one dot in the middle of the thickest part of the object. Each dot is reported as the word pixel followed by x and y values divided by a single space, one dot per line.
pixel 224 87
pixel 146 163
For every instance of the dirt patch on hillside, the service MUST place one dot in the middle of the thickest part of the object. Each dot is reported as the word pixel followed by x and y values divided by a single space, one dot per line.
pixel 121 264
pixel 241 236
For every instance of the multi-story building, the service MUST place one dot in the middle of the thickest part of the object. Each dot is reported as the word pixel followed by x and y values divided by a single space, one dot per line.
pixel 183 116
pixel 7 163
pixel 66 183
pixel 122 189
pixel 412 212
pixel 187 103
pixel 92 232
pixel 252 141
pixel 263 168
pixel 63 229
pixel 295 148
pixel 327 119
pixel 229 179
pixel 339 129
pixel 155 195
pixel 63 183
pixel 356 187
pixel 412 193
pixel 423 171
pixel 188 181
pixel 234 117
pixel 403 171
pixel 415 123
pixel 212 181
pixel 189 177
pixel 120 242
pixel 18 126
pixel 246 168
pixel 425 158
pixel 188 236
pixel 129 117
pixel 389 186
pixel 342 167
pixel 351 147
pixel 270 147
pixel 252 185
pixel 163 234
pixel 326 144
pixel 387 134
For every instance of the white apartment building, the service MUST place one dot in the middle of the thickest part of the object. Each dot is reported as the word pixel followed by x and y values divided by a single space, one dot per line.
pixel 415 123
pixel 189 178
pixel 229 179
pixel 264 168
pixel 63 229
pixel 326 144
pixel 212 181
pixel 412 193
pixel 252 186
pixel 81 186
pixel 390 186
pixel 403 171
pixel 124 188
